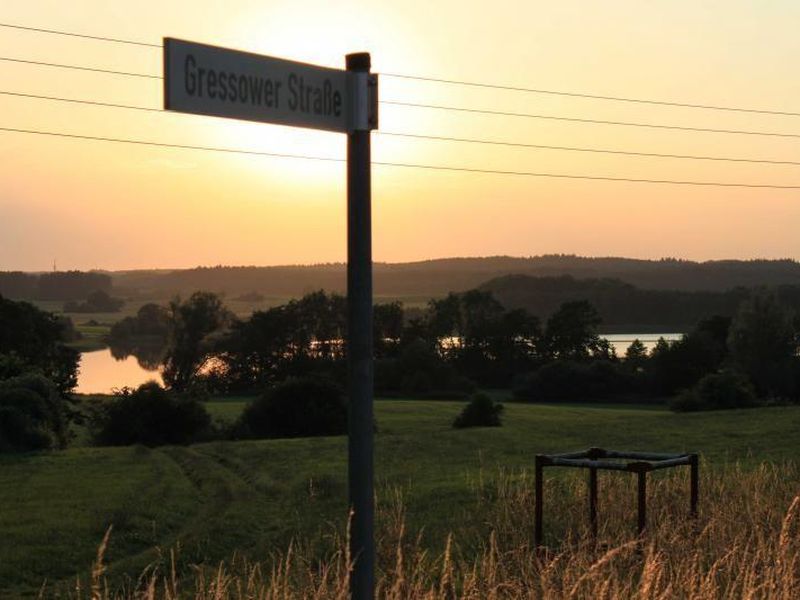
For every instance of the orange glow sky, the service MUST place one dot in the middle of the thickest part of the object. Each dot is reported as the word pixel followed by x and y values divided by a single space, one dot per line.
pixel 99 205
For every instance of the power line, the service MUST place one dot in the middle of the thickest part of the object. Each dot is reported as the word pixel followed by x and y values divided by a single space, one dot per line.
pixel 459 108
pixel 455 81
pixel 594 96
pixel 78 67
pixel 79 101
pixel 589 177
pixel 95 138
pixel 79 35
pixel 441 138
pixel 400 165
pixel 581 149
pixel 593 121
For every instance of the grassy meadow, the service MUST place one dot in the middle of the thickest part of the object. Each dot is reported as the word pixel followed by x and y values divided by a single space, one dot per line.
pixel 213 502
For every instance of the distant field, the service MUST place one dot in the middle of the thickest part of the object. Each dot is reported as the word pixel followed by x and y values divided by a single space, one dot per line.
pixel 255 497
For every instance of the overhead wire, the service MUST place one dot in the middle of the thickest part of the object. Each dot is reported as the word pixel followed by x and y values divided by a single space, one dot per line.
pixel 441 138
pixel 583 149
pixel 591 121
pixel 79 35
pixel 97 138
pixel 78 101
pixel 514 88
pixel 435 107
pixel 402 165
pixel 78 67
pixel 476 84
pixel 462 109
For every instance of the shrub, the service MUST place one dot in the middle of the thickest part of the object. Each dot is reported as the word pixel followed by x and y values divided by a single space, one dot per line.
pixel 149 415
pixel 32 414
pixel 717 391
pixel 481 411
pixel 302 407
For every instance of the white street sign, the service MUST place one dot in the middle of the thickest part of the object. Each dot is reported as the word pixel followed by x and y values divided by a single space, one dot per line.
pixel 207 80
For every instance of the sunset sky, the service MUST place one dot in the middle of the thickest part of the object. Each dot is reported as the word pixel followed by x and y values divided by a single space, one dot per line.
pixel 116 206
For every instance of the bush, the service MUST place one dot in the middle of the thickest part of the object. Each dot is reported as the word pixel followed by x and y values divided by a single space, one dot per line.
pixel 32 415
pixel 717 391
pixel 149 415
pixel 481 411
pixel 302 407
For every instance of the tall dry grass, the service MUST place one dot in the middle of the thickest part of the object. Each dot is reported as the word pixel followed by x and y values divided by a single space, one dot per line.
pixel 745 544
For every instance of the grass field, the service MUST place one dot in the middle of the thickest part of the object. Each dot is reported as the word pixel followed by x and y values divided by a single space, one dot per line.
pixel 254 498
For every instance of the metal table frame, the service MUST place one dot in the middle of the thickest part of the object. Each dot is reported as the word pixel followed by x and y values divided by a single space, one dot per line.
pixel 596 459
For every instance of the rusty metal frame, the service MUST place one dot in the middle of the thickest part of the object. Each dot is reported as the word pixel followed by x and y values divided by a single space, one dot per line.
pixel 596 459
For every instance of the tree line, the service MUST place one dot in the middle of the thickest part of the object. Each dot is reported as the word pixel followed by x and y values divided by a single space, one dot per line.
pixel 468 340
pixel 294 355
pixel 61 285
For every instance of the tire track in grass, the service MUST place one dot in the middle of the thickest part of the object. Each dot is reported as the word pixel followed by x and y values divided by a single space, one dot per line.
pixel 196 540
pixel 145 503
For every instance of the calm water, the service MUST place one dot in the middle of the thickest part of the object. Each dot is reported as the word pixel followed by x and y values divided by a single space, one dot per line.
pixel 100 372
pixel 621 341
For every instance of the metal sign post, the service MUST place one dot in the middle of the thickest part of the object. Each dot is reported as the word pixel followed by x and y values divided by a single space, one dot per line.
pixel 359 339
pixel 207 80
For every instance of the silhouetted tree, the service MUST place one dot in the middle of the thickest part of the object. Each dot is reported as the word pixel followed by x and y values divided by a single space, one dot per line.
pixel 144 335
pixel 31 340
pixel 195 324
pixel 257 352
pixel 444 321
pixel 636 355
pixel 572 331
pixel 680 364
pixel 762 344
pixel 387 329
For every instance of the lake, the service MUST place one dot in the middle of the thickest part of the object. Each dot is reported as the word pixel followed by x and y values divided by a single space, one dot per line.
pixel 100 372
pixel 621 341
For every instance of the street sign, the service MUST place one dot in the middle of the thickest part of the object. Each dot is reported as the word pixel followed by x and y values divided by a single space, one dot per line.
pixel 208 80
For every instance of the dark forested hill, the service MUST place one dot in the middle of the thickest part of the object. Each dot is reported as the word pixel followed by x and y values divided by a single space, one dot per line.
pixel 621 305
pixel 64 285
pixel 438 277
pixel 420 280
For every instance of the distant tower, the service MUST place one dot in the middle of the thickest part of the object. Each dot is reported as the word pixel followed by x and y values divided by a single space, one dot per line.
pixel 54 266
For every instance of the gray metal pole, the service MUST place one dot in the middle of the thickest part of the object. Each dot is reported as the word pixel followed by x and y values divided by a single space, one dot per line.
pixel 359 354
pixel 538 514
pixel 593 502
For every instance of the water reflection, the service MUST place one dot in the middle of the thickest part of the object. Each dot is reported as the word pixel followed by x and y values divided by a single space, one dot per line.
pixel 103 371
pixel 149 356
pixel 132 365
pixel 621 341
